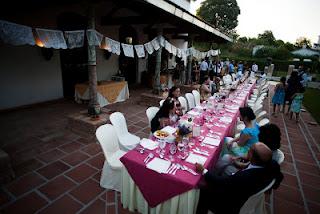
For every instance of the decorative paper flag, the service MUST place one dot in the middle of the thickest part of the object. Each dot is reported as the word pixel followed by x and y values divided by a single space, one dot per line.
pixel 140 51
pixel 149 47
pixel 52 38
pixel 127 50
pixel 167 46
pixel 74 39
pixel 209 53
pixel 184 53
pixel 155 44
pixel 15 34
pixel 179 53
pixel 115 47
pixel 161 40
pixel 108 43
pixel 203 55
pixel 190 52
pixel 94 37
pixel 174 50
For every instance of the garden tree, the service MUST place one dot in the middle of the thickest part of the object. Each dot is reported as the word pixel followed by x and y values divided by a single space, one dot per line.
pixel 222 14
pixel 303 41
pixel 267 38
pixel 290 47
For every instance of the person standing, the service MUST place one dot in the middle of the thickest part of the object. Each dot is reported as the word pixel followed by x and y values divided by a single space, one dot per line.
pixel 293 85
pixel 279 95
pixel 296 103
pixel 203 70
pixel 255 67
pixel 231 67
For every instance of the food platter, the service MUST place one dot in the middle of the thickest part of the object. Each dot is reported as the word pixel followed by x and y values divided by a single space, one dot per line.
pixel 161 134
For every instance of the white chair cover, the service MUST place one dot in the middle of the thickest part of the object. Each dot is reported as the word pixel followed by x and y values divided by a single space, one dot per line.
pixel 161 102
pixel 111 172
pixel 127 140
pixel 278 156
pixel 184 104
pixel 256 203
pixel 196 95
pixel 151 112
pixel 264 121
pixel 191 101
pixel 260 116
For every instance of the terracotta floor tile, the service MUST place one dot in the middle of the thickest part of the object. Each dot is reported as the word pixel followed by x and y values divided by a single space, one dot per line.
pixel 310 180
pixel 96 207
pixel 87 191
pixel 53 169
pixel 27 167
pixel 134 129
pixel 63 205
pixel 71 147
pixel 142 134
pixel 303 157
pixel 25 184
pixel 290 180
pixel 81 173
pixel 288 167
pixel 314 208
pixel 283 206
pixel 56 187
pixel 97 161
pixel 97 176
pixel 4 198
pixel 75 158
pixel 53 155
pixel 27 204
pixel 289 194
pixel 92 149
pixel 311 194
pixel 310 168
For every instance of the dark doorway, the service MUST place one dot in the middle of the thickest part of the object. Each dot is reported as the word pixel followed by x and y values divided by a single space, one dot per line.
pixel 73 61
pixel 127 65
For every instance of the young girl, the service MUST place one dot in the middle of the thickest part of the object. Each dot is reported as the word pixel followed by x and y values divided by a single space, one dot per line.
pixel 296 103
pixel 279 95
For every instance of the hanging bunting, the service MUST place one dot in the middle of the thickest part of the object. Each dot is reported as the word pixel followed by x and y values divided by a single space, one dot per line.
pixel 15 34
pixel 184 53
pixel 155 44
pixel 127 50
pixel 94 37
pixel 148 46
pixel 161 40
pixel 115 47
pixel 174 50
pixel 51 38
pixel 179 53
pixel 74 39
pixel 167 46
pixel 140 51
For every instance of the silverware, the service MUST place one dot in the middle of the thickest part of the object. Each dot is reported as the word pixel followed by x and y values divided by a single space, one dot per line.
pixel 188 170
pixel 150 156
pixel 178 167
pixel 172 169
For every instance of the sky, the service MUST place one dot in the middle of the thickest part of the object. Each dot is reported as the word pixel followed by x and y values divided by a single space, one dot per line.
pixel 287 19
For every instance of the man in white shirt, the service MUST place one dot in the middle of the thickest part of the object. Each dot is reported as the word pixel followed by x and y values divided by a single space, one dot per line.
pixel 255 68
pixel 203 70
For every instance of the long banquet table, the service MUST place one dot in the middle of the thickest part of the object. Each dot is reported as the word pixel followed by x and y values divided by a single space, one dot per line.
pixel 148 191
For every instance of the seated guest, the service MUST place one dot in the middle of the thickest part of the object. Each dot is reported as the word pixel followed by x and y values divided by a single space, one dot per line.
pixel 248 136
pixel 205 92
pixel 227 194
pixel 174 93
pixel 165 116
pixel 269 134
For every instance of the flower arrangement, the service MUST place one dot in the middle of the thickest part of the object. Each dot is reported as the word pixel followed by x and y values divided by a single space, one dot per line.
pixel 183 130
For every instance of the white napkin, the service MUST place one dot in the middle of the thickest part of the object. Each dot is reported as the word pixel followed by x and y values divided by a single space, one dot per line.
pixel 159 165
pixel 169 129
pixel 212 141
pixel 193 158
pixel 231 111
pixel 148 144
pixel 194 113
pixel 226 119
pixel 233 107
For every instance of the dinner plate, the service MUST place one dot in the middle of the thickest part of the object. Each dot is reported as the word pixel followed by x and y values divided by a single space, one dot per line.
pixel 161 134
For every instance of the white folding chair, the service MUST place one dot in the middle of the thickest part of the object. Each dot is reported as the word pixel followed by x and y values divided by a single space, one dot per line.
pixel 264 121
pixel 151 112
pixel 256 203
pixel 196 95
pixel 127 140
pixel 190 99
pixel 257 108
pixel 260 116
pixel 278 156
pixel 161 102
pixel 183 103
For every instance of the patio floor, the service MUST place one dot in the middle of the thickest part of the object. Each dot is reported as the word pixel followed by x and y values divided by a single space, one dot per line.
pixel 58 171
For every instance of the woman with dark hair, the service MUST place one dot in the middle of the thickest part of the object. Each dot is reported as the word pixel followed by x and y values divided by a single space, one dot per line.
pixel 164 115
pixel 205 91
pixel 174 93
pixel 248 136
pixel 293 86
pixel 270 135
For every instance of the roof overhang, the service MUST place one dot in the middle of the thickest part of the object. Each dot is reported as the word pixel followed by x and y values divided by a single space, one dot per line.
pixel 186 16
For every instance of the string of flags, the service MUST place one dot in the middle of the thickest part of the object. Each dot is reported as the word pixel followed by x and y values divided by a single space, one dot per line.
pixel 16 34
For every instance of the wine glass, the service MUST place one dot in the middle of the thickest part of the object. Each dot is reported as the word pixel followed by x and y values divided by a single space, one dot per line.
pixel 162 145
pixel 173 150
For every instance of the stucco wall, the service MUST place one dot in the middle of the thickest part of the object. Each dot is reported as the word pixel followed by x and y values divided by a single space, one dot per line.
pixel 26 77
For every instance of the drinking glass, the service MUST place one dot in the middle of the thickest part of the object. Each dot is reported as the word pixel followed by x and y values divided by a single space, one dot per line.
pixel 173 150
